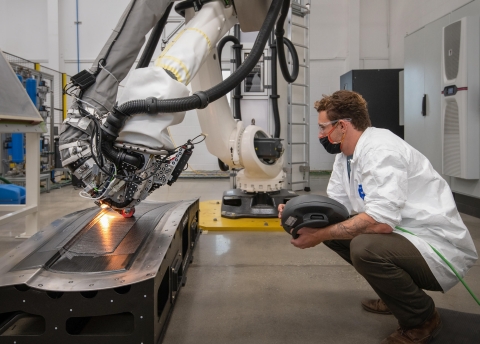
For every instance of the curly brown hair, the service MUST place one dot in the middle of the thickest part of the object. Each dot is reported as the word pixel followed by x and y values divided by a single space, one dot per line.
pixel 345 104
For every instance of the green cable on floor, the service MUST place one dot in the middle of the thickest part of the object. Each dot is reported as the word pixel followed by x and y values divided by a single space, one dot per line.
pixel 448 263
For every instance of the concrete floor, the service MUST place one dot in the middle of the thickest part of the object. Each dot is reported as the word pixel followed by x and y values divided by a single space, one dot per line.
pixel 246 287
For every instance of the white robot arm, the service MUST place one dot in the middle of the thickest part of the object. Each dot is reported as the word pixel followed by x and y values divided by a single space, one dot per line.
pixel 122 153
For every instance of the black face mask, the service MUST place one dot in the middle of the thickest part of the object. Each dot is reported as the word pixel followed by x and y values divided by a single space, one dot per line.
pixel 332 148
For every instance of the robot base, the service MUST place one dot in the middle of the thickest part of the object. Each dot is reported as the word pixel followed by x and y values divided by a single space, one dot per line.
pixel 237 203
pixel 96 277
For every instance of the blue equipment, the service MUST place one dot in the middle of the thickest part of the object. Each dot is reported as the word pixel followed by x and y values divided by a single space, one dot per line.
pixel 12 194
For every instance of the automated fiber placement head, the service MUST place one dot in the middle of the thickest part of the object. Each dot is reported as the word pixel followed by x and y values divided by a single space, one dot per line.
pixel 313 211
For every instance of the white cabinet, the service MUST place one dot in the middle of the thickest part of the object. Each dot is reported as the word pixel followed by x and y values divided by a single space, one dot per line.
pixel 422 74
pixel 414 90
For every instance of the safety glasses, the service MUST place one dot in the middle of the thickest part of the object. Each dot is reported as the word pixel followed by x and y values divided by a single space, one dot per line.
pixel 323 126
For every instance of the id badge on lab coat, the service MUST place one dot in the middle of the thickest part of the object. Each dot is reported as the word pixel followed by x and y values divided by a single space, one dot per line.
pixel 357 194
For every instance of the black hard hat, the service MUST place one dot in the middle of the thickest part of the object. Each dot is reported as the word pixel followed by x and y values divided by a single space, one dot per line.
pixel 311 211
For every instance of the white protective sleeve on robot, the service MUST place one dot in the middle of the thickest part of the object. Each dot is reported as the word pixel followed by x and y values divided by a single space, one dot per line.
pixel 190 57
pixel 182 57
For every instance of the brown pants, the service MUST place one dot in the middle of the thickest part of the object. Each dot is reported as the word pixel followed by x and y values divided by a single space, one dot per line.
pixel 397 272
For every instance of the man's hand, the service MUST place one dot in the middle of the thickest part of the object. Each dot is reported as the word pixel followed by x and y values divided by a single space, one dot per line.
pixel 280 210
pixel 348 229
pixel 308 237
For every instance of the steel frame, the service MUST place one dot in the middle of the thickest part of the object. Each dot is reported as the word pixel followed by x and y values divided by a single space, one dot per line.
pixel 131 305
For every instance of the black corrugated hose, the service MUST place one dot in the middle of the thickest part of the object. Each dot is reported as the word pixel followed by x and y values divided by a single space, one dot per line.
pixel 281 41
pixel 200 100
pixel 295 61
pixel 274 96
pixel 237 93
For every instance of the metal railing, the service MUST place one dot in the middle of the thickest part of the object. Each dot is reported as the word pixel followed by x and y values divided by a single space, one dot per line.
pixel 298 98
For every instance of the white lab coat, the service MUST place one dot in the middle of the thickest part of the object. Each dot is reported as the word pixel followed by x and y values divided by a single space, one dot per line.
pixel 395 184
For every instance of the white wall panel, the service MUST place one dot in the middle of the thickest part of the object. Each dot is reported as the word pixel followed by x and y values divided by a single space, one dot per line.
pixel 404 16
pixel 98 19
pixel 353 44
pixel 328 29
pixel 324 79
pixel 53 40
pixel 95 27
pixel 24 27
pixel 3 20
pixel 434 9
pixel 374 63
pixel 373 29
pixel 472 9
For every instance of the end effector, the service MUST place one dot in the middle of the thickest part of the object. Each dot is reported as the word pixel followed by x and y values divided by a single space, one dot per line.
pixel 114 174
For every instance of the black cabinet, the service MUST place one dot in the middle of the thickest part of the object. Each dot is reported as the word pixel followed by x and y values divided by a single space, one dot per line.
pixel 380 88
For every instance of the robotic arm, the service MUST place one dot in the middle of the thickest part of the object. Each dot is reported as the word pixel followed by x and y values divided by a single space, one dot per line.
pixel 122 153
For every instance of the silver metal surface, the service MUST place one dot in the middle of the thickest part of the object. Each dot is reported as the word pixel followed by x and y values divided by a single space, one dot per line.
pixel 23 128
pixel 307 94
pixel 289 111
pixel 144 267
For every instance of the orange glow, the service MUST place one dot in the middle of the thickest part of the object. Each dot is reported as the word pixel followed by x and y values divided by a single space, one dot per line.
pixel 106 233
pixel 104 206
pixel 105 222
